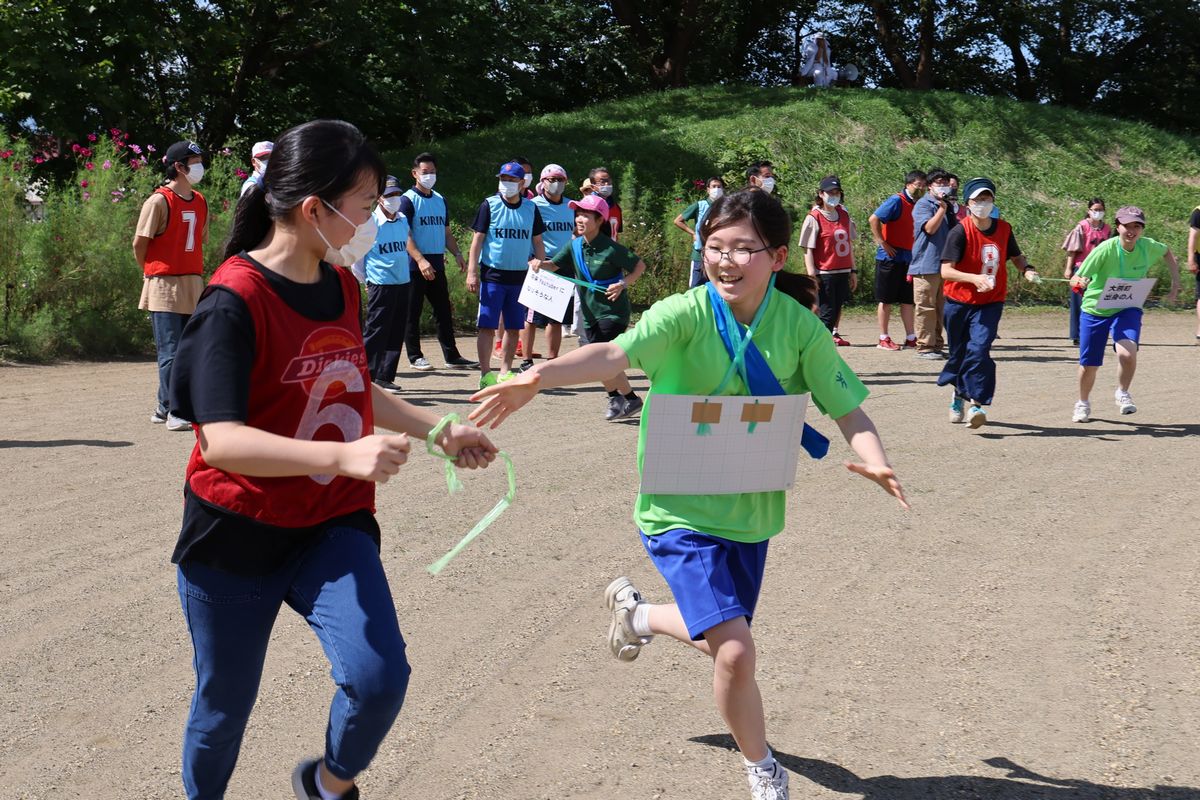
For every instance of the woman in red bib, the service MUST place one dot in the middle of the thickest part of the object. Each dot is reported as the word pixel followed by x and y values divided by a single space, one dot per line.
pixel 280 494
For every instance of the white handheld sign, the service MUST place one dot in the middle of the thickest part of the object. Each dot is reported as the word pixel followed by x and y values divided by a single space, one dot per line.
pixel 546 293
pixel 1121 293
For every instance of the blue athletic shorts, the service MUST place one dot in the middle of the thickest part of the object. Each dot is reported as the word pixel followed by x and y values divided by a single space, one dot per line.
pixel 1094 333
pixel 500 298
pixel 712 579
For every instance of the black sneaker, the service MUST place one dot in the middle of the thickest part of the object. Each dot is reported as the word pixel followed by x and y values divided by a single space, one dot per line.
pixel 632 406
pixel 304 782
pixel 462 363
pixel 525 365
pixel 391 387
pixel 616 408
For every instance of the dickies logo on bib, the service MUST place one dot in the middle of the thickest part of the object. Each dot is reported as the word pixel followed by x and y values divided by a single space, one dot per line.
pixel 322 348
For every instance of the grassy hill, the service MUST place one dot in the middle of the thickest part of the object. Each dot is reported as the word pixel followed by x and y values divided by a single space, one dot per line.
pixel 1046 162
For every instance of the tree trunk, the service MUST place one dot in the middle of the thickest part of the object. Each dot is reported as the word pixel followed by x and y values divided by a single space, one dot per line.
pixel 890 45
pixel 928 39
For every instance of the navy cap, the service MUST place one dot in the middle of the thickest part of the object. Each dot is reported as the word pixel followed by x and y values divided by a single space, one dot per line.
pixel 181 152
pixel 512 170
pixel 392 186
pixel 977 185
pixel 830 182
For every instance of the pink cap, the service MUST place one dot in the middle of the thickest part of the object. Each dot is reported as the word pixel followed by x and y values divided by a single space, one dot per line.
pixel 262 149
pixel 592 202
pixel 553 171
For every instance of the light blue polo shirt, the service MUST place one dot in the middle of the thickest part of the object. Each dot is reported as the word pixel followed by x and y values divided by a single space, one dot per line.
pixel 386 262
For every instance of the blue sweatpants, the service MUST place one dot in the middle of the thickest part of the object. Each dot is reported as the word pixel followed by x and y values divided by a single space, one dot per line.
pixel 340 589
pixel 970 331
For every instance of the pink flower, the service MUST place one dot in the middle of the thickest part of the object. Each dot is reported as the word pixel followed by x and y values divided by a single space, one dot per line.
pixel 115 132
pixel 242 175
pixel 83 184
pixel 87 195
pixel 16 166
pixel 85 152
pixel 91 137
pixel 135 164
pixel 135 149
pixel 149 148
pixel 225 151
pixel 106 165
pixel 75 148
pixel 125 135
pixel 89 165
pixel 38 159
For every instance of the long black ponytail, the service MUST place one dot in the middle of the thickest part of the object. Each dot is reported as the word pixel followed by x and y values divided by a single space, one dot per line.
pixel 325 158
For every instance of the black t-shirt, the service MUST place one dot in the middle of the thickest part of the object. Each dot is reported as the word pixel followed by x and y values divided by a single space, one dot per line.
pixel 210 382
pixel 956 241
pixel 1194 223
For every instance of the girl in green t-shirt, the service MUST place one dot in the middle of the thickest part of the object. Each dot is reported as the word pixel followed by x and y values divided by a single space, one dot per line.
pixel 711 550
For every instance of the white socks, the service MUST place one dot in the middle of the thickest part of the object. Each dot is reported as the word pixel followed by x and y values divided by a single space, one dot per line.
pixel 766 765
pixel 641 620
pixel 321 790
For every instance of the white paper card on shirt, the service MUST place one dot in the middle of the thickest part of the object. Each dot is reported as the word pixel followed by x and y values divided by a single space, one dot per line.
pixel 731 458
pixel 546 293
pixel 1121 293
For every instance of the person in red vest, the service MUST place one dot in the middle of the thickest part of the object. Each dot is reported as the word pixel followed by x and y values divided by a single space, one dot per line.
pixel 973 267
pixel 1082 240
pixel 168 244
pixel 279 498
pixel 892 229
pixel 827 237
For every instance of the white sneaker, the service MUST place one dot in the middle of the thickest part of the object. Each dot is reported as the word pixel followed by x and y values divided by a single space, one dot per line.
pixel 421 364
pixel 622 598
pixel 976 417
pixel 768 784
pixel 1083 411
pixel 174 423
pixel 1124 402
pixel 956 409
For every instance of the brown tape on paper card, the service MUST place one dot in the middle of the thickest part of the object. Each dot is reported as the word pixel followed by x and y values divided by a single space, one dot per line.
pixel 706 413
pixel 758 412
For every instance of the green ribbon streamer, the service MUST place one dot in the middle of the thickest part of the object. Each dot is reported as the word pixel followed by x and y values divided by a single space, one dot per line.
pixel 595 287
pixel 750 428
pixel 455 485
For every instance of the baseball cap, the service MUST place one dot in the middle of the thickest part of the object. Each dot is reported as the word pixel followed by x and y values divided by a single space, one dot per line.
pixel 181 152
pixel 586 186
pixel 1131 214
pixel 592 202
pixel 977 185
pixel 391 186
pixel 512 170
pixel 262 149
pixel 830 183
pixel 553 171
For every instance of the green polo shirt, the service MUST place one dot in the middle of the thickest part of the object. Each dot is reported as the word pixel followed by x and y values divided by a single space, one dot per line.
pixel 605 259
pixel 1109 260
pixel 677 345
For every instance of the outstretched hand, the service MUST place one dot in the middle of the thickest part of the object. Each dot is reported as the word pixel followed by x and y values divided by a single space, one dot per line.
pixel 498 401
pixel 884 476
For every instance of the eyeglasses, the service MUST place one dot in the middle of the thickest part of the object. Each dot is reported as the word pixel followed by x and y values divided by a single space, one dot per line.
pixel 739 255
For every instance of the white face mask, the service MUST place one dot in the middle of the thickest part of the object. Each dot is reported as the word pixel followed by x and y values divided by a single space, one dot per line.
pixel 832 200
pixel 939 191
pixel 1096 215
pixel 262 166
pixel 509 188
pixel 427 180
pixel 716 193
pixel 390 204
pixel 362 241
pixel 604 191
pixel 768 185
pixel 981 208
pixel 195 173
pixel 555 187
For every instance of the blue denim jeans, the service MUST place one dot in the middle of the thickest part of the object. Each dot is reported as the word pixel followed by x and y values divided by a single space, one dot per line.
pixel 970 331
pixel 340 589
pixel 1076 304
pixel 168 327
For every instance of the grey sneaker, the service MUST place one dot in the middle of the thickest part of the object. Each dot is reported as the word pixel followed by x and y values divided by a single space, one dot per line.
pixel 622 598
pixel 158 417
pixel 174 423
pixel 304 782
pixel 422 365
pixel 632 406
pixel 1083 411
pixel 930 355
pixel 616 408
pixel 1124 402
pixel 768 784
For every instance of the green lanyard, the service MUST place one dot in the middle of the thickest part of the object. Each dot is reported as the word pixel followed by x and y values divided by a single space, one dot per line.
pixel 453 484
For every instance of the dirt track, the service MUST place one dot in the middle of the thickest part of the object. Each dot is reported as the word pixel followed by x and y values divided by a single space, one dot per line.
pixel 1029 630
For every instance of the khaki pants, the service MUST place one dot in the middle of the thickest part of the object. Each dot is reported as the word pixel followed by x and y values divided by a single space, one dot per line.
pixel 930 303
